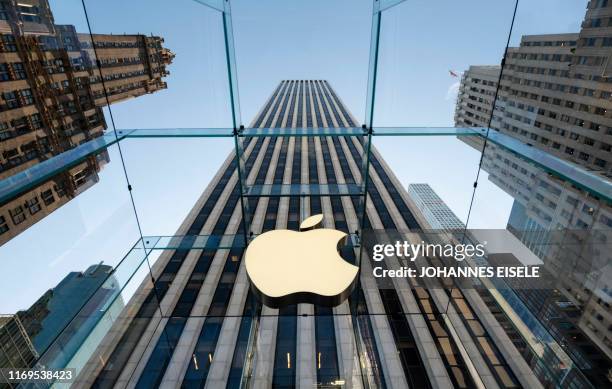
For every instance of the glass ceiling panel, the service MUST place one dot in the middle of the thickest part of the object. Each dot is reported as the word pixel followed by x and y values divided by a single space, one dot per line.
pixel 18 183
pixel 209 242
pixel 31 177
pixel 185 79
pixel 176 133
pixel 313 46
pixel 425 47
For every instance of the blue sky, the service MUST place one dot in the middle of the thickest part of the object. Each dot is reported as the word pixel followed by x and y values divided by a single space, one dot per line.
pixel 275 40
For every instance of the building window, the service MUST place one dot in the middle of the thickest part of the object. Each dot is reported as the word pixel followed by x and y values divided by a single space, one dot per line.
pixel 19 70
pixel 10 99
pixel 36 121
pixel 20 125
pixel 8 41
pixel 4 72
pixel 600 162
pixel 29 13
pixel 17 215
pixel 3 225
pixel 33 205
pixel 47 197
pixel 59 189
pixel 4 132
pixel 26 95
pixel 3 9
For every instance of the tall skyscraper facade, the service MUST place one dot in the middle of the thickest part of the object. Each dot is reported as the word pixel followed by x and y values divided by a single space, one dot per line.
pixel 555 95
pixel 58 323
pixel 544 207
pixel 16 348
pixel 439 216
pixel 555 92
pixel 209 330
pixel 54 83
pixel 475 96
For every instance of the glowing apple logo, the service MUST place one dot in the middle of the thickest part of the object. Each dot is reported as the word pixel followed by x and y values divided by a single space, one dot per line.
pixel 289 267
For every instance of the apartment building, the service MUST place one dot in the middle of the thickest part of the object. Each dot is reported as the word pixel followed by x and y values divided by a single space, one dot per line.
pixel 54 83
pixel 555 93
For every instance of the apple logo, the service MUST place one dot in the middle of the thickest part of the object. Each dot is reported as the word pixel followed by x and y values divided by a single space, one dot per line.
pixel 290 267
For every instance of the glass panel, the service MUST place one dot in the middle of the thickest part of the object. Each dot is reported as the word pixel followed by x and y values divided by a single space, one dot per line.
pixel 322 55
pixel 424 47
pixel 174 172
pixel 95 314
pixel 20 180
pixel 553 107
pixel 62 237
pixel 177 72
pixel 176 132
pixel 433 193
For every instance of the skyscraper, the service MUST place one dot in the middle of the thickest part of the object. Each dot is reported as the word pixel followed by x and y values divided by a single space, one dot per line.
pixel 58 323
pixel 475 96
pixel 209 331
pixel 16 348
pixel 54 83
pixel 555 92
pixel 544 208
pixel 555 95
pixel 438 215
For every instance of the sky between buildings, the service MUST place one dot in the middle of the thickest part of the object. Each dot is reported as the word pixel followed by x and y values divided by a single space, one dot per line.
pixel 275 40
